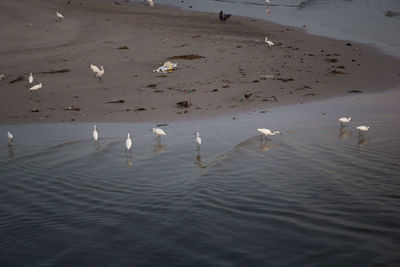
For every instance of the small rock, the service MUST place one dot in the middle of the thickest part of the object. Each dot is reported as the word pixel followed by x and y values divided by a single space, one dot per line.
pixel 349 44
pixel 270 98
pixel 355 91
pixel 72 108
pixel 214 90
pixel 183 104
pixel 390 13
pixel 34 110
pixel 141 109
pixel 116 101
pixel 310 94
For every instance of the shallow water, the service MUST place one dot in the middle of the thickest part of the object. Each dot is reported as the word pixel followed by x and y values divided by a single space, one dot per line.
pixel 315 195
pixel 355 20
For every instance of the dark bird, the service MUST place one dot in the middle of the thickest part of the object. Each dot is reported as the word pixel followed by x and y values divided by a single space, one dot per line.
pixel 247 96
pixel 223 17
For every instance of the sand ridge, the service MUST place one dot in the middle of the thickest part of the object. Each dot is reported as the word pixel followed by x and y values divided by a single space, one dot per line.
pixel 222 67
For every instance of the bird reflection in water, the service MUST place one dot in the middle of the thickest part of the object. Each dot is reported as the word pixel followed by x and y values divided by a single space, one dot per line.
pixel 268 11
pixel 266 146
pixel 11 153
pixel 343 132
pixel 158 149
pixel 128 158
pixel 362 140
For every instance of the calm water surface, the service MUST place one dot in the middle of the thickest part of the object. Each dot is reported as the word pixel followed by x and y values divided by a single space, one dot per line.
pixel 315 195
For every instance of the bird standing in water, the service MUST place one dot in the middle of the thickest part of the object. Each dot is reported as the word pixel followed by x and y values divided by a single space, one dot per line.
pixel 344 120
pixel 198 140
pixel 10 138
pixel 128 143
pixel 95 135
pixel 265 132
pixel 362 129
pixel 158 132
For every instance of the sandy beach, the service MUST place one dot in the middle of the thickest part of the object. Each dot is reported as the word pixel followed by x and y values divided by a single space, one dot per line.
pixel 232 69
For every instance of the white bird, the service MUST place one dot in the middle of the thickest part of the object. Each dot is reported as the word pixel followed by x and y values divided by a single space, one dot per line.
pixel 151 2
pixel 269 42
pixel 128 142
pixel 268 2
pixel 30 79
pixel 362 128
pixel 344 120
pixel 36 87
pixel 95 134
pixel 94 68
pixel 198 140
pixel 100 73
pixel 158 132
pixel 267 132
pixel 10 138
pixel 59 15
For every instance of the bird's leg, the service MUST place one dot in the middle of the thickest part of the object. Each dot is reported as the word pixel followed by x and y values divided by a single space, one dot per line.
pixel 198 148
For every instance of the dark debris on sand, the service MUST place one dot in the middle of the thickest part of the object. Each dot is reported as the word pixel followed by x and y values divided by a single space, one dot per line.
pixel 187 57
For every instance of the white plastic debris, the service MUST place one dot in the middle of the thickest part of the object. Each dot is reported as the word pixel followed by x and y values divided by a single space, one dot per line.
pixel 167 67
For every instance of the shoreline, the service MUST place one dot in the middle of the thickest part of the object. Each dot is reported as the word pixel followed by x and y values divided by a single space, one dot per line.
pixel 234 60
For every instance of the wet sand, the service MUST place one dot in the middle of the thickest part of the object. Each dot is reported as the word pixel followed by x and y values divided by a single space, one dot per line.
pixel 234 62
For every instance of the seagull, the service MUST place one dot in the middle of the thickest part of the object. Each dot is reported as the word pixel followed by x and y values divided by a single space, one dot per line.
pixel 95 69
pixel 100 73
pixel 362 129
pixel 36 87
pixel 10 138
pixel 30 79
pixel 269 42
pixel 266 132
pixel 59 15
pixel 95 134
pixel 223 17
pixel 158 132
pixel 344 120
pixel 268 2
pixel 198 140
pixel 151 2
pixel 128 143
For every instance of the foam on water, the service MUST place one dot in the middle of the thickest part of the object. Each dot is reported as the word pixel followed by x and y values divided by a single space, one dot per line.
pixel 317 194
